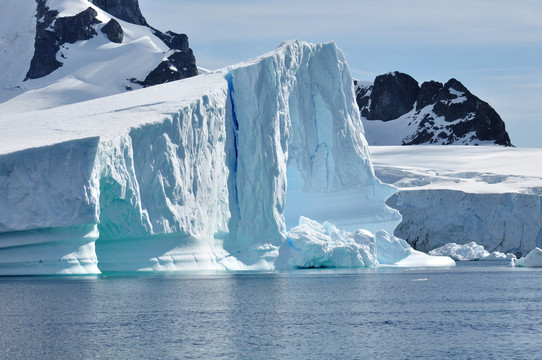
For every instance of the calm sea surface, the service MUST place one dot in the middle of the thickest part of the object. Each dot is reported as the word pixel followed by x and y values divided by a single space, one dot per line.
pixel 476 310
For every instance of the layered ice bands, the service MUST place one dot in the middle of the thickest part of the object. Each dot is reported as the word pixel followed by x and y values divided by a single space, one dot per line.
pixel 207 173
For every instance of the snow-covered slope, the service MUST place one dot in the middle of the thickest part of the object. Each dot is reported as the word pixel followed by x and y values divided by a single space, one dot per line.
pixel 17 33
pixel 72 59
pixel 203 173
pixel 395 110
pixel 458 194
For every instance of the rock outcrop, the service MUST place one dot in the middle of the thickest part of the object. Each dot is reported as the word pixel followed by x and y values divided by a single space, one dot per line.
pixel 179 65
pixel 51 35
pixel 433 113
pixel 113 31
pixel 127 10
pixel 54 31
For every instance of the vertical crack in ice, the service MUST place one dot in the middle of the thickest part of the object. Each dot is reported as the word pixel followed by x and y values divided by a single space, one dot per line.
pixel 233 162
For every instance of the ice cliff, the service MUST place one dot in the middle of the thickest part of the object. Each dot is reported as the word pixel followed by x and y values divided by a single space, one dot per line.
pixel 459 194
pixel 204 173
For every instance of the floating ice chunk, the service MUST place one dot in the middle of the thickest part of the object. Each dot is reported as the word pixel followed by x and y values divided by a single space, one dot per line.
pixel 466 252
pixel 314 245
pixel 497 255
pixel 391 249
pixel 533 259
pixel 470 251
pixel 419 259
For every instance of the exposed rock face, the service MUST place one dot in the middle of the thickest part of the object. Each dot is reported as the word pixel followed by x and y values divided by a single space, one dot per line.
pixel 127 10
pixel 179 65
pixel 68 29
pixel 436 113
pixel 173 40
pixel 44 61
pixel 393 95
pixel 113 31
pixel 75 28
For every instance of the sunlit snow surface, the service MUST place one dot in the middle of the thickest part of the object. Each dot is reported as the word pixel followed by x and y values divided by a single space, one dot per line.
pixel 457 194
pixel 192 175
pixel 92 68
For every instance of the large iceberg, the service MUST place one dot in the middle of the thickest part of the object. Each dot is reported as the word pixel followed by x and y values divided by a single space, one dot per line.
pixel 204 173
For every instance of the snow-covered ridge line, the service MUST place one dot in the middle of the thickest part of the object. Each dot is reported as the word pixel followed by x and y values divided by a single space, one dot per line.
pixel 395 110
pixel 191 174
pixel 58 52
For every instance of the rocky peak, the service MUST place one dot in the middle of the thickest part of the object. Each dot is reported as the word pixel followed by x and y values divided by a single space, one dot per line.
pixel 435 113
pixel 53 32
pixel 427 94
pixel 393 94
pixel 127 10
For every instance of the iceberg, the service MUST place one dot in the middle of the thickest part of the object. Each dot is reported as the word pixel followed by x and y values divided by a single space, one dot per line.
pixel 207 173
pixel 533 259
pixel 469 252
pixel 315 245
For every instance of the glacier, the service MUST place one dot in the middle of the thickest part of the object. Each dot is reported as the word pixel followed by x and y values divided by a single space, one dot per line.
pixel 207 173
pixel 459 194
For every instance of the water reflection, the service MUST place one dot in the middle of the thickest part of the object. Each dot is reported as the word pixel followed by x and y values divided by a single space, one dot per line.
pixel 448 313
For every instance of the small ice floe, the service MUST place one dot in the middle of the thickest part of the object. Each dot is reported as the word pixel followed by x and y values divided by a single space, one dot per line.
pixel 469 252
pixel 533 259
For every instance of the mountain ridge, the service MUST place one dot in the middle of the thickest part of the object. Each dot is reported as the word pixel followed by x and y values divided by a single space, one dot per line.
pixel 73 50
pixel 433 113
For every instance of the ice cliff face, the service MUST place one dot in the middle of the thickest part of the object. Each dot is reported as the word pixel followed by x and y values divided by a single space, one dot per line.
pixel 292 109
pixel 508 223
pixel 188 175
pixel 460 194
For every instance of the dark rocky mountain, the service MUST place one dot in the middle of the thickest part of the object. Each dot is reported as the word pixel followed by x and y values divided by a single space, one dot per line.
pixel 127 10
pixel 113 31
pixel 435 113
pixel 52 32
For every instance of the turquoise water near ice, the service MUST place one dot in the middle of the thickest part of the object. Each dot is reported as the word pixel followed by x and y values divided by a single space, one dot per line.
pixel 475 310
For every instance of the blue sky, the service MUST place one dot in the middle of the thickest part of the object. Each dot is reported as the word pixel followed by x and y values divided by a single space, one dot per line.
pixel 494 47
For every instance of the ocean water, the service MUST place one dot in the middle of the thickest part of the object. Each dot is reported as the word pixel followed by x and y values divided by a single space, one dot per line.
pixel 475 310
